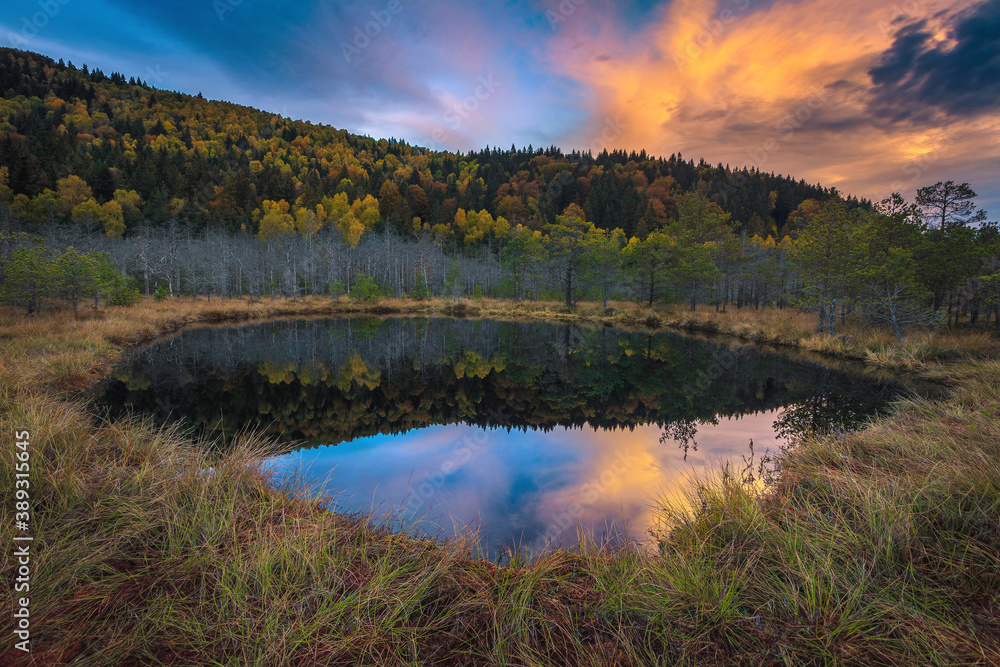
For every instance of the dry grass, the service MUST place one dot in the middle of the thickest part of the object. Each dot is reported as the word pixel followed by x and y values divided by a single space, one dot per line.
pixel 879 547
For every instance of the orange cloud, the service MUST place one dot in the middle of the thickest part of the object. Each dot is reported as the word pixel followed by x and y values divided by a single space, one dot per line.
pixel 784 88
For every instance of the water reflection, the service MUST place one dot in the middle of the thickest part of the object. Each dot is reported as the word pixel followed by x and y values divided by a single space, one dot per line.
pixel 534 489
pixel 528 431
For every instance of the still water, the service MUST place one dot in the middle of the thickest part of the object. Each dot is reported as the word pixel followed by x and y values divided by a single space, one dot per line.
pixel 528 433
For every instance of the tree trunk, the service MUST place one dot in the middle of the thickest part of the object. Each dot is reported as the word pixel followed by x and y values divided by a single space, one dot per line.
pixel 652 286
pixel 895 325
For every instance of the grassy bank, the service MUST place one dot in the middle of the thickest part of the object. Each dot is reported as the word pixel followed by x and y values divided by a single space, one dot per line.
pixel 879 547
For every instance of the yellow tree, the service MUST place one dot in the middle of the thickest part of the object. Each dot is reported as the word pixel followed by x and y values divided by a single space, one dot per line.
pixel 461 222
pixel 72 191
pixel 351 229
pixel 308 222
pixel 113 220
pixel 276 222
pixel 131 205
pixel 477 226
pixel 6 194
pixel 87 212
pixel 336 207
pixel 367 212
pixel 501 228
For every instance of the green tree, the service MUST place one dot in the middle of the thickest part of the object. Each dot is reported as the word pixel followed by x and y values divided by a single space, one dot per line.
pixel 884 272
pixel 695 269
pixel 568 241
pixel 705 241
pixel 649 263
pixel 823 254
pixel 421 291
pixel 524 257
pixel 947 207
pixel 603 262
pixel 948 254
pixel 112 285
pixel 366 289
pixel 77 275
pixel 44 208
pixel 29 278
pixel 453 281
pixel 699 221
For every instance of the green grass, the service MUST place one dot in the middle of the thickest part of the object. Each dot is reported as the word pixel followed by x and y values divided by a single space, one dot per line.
pixel 880 547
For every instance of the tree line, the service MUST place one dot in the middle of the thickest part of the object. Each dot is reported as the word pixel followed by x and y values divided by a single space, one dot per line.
pixel 185 196
pixel 31 275
pixel 926 263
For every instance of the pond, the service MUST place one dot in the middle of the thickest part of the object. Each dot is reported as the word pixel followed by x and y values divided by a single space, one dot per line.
pixel 530 433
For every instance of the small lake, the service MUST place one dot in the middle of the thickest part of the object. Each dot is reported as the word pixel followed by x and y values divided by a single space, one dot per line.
pixel 527 432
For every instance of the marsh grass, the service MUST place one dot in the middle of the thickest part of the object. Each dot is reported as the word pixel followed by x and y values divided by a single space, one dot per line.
pixel 880 547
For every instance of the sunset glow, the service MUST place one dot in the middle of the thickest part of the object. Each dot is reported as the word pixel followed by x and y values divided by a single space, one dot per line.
pixel 869 97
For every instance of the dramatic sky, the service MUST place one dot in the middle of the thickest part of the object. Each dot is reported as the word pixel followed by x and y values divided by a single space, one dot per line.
pixel 869 96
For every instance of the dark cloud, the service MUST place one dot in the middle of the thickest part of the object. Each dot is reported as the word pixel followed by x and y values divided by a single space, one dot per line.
pixel 919 76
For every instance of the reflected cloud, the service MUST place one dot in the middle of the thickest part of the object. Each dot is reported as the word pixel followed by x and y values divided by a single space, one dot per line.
pixel 528 488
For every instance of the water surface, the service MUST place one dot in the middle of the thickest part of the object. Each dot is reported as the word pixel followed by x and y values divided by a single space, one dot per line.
pixel 528 432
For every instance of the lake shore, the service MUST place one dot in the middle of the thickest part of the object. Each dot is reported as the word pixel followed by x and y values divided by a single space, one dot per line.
pixel 877 547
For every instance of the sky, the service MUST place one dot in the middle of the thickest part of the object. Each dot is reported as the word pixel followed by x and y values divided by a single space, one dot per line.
pixel 869 96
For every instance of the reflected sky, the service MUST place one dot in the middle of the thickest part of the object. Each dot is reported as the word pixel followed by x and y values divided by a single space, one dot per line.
pixel 530 488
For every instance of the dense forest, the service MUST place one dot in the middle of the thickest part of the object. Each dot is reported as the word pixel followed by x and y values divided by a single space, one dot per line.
pixel 110 187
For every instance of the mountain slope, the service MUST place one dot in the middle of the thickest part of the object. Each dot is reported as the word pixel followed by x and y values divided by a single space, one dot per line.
pixel 214 163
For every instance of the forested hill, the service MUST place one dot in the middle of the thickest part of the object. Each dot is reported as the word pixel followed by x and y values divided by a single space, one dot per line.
pixel 210 163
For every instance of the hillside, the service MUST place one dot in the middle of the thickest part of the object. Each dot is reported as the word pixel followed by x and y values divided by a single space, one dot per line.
pixel 214 163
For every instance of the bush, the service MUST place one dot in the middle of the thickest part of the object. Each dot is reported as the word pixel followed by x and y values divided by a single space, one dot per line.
pixel 422 291
pixel 366 289
pixel 121 291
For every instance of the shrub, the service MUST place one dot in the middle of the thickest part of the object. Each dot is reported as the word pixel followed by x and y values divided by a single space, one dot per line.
pixel 366 289
pixel 120 291
pixel 422 291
